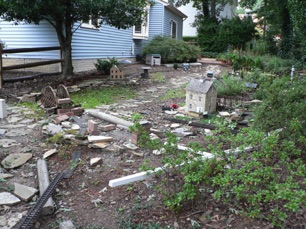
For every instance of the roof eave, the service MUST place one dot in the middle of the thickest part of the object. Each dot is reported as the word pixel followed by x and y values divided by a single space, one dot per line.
pixel 176 11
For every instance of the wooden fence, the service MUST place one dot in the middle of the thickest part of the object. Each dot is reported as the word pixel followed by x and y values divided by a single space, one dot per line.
pixel 28 65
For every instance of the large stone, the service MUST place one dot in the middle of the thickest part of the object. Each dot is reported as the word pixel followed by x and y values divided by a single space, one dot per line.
pixel 96 161
pixel 18 132
pixel 7 198
pixel 24 192
pixel 5 143
pixel 15 160
pixel 54 129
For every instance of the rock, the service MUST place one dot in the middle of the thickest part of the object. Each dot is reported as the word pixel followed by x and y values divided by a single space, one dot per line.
pixel 75 126
pixel 224 114
pixel 66 124
pixel 5 175
pixel 171 112
pixel 7 198
pixel 153 136
pixel 53 129
pixel 15 160
pixel 159 152
pixel 14 119
pixel 66 225
pixel 96 161
pixel 100 139
pixel 130 146
pixel 208 132
pixel 182 132
pixel 3 131
pixel 137 154
pixel 18 132
pixel 5 143
pixel 24 192
pixel 108 127
pixel 175 125
pixel 49 153
pixel 98 145
pixel 234 116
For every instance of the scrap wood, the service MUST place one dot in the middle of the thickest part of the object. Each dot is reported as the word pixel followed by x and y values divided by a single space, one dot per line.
pixel 144 175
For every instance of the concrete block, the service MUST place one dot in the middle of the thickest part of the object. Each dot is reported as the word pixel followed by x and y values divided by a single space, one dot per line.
pixel 108 127
pixel 3 109
pixel 63 101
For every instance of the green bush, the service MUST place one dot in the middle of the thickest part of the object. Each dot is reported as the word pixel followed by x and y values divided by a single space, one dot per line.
pixel 230 85
pixel 172 50
pixel 105 65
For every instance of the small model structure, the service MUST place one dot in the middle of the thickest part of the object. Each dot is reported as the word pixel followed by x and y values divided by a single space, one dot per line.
pixel 201 97
pixel 116 73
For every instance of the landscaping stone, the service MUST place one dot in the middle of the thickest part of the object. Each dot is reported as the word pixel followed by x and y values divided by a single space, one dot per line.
pixel 98 145
pixel 92 127
pixel 24 192
pixel 61 118
pixel 7 198
pixel 3 131
pixel 15 160
pixel 53 129
pixel 17 132
pixel 224 114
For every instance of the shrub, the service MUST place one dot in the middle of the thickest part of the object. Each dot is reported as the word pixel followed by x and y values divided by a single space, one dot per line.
pixel 105 65
pixel 230 85
pixel 171 50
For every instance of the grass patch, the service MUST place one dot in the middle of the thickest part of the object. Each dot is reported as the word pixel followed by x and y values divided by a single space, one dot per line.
pixel 158 77
pixel 36 113
pixel 90 98
pixel 231 86
pixel 175 93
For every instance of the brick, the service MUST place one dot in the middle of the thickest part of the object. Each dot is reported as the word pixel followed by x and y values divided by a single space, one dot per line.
pixel 62 111
pixel 92 127
pixel 61 118
pixel 77 111
pixel 108 127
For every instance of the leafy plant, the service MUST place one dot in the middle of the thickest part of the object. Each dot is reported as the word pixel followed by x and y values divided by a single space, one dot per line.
pixel 230 85
pixel 105 65
pixel 158 77
pixel 172 50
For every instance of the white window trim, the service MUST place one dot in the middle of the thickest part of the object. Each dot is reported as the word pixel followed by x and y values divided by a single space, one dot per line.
pixel 171 24
pixel 144 27
pixel 89 25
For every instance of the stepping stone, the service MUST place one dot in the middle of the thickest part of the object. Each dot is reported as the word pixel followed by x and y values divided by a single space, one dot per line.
pixel 18 132
pixel 15 160
pixel 24 192
pixel 7 198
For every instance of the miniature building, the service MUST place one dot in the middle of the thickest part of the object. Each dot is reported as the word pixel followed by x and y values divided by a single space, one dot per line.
pixel 116 73
pixel 201 96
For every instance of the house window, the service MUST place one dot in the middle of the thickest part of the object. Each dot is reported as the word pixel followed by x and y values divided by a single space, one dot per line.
pixel 141 31
pixel 190 96
pixel 173 29
pixel 91 23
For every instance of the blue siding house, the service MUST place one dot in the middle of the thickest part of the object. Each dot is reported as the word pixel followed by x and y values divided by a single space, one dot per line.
pixel 90 43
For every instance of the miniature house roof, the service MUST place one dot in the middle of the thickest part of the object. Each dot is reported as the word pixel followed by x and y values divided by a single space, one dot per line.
pixel 200 86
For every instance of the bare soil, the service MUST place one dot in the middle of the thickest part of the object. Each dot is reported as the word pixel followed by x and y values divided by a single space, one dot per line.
pixel 87 200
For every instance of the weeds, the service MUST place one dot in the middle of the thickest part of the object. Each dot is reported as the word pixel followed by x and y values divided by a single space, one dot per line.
pixel 175 93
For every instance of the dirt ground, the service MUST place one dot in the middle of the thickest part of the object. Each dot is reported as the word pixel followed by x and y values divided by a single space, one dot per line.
pixel 86 198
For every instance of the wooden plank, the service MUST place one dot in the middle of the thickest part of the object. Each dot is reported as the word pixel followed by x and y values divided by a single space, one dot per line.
pixel 43 180
pixel 38 49
pixel 30 65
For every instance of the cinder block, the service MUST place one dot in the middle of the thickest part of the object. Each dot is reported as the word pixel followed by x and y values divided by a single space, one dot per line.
pixel 108 127
pixel 92 127
pixel 62 111
pixel 61 118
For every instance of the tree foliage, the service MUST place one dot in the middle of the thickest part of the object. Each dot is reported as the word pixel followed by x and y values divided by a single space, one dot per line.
pixel 63 15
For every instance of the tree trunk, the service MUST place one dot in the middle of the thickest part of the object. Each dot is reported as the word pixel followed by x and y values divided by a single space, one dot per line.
pixel 67 67
pixel 213 9
pixel 205 8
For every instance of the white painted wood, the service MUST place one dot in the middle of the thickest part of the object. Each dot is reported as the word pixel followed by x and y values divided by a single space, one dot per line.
pixel 43 180
pixel 3 109
pixel 150 173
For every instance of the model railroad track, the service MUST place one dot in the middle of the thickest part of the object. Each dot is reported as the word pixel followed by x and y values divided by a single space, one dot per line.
pixel 27 221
